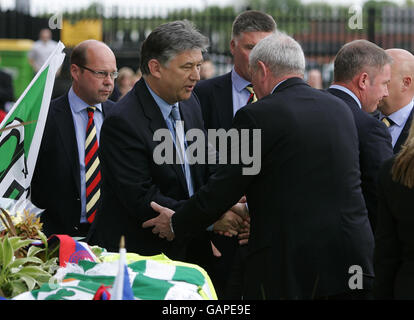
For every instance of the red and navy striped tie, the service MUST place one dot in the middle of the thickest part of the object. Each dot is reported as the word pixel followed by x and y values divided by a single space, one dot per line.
pixel 92 168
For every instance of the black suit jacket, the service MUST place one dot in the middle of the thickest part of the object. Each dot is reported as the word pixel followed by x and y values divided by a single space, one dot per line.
pixel 132 179
pixel 306 206
pixel 394 239
pixel 404 133
pixel 375 147
pixel 6 89
pixel 56 180
pixel 216 100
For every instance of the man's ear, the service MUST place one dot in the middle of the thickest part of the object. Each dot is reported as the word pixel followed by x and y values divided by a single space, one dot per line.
pixel 232 46
pixel 154 67
pixel 263 69
pixel 362 80
pixel 407 82
pixel 74 71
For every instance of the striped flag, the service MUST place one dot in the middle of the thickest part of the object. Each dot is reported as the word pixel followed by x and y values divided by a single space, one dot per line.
pixel 22 129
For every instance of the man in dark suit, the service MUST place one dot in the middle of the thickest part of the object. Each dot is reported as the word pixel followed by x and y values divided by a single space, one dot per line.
pixel 220 98
pixel 362 71
pixel 309 223
pixel 133 173
pixel 397 108
pixel 66 181
pixel 6 92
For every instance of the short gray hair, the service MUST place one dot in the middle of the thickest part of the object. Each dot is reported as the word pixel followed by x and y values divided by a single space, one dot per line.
pixel 170 39
pixel 282 54
pixel 253 21
pixel 357 56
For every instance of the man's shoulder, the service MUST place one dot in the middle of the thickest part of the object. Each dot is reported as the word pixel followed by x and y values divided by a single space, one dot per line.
pixel 209 84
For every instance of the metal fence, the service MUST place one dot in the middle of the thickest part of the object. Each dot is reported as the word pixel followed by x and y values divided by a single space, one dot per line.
pixel 321 31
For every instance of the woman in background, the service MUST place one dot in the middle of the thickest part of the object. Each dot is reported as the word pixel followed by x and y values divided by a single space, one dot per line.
pixel 394 238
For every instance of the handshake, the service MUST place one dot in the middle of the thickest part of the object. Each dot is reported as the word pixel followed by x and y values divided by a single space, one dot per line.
pixel 234 222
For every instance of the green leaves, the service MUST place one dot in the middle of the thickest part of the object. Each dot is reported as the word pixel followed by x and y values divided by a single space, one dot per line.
pixel 22 269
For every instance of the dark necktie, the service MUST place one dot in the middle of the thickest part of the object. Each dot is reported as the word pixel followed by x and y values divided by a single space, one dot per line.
pixel 252 97
pixel 92 168
pixel 388 122
pixel 180 145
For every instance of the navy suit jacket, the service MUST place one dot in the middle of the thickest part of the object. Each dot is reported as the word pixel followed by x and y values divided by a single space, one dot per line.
pixel 216 100
pixel 131 179
pixel 306 204
pixel 55 186
pixel 375 147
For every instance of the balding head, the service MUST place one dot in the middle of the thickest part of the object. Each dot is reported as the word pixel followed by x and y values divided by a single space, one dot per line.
pixel 401 86
pixel 88 59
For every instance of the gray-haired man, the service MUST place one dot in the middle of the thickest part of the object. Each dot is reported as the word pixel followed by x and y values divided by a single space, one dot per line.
pixel 171 57
pixel 309 223
pixel 220 98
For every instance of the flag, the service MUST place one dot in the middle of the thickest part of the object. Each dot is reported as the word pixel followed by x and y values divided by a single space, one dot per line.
pixel 121 289
pixel 152 278
pixel 70 250
pixel 22 128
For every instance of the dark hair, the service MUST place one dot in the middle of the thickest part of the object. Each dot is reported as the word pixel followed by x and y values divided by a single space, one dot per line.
pixel 78 55
pixel 168 40
pixel 357 56
pixel 251 21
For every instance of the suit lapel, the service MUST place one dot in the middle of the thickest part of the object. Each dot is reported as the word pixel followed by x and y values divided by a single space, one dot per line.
pixel 66 129
pixel 224 101
pixel 156 121
pixel 404 133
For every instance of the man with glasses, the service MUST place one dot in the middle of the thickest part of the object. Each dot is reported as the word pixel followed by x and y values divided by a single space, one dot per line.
pixel 67 178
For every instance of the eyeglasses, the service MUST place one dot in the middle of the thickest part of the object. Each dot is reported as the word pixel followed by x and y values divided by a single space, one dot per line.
pixel 101 74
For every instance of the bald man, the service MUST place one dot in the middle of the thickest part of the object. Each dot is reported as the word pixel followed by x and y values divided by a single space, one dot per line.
pixel 397 108
pixel 66 181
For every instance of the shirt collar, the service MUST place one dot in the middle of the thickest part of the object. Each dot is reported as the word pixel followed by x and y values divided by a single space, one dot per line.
pixel 162 104
pixel 346 90
pixel 77 104
pixel 239 83
pixel 400 116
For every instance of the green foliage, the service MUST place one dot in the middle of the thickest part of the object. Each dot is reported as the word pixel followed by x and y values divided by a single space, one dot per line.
pixel 22 270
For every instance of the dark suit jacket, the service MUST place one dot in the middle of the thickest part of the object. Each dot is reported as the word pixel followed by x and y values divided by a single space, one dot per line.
pixel 216 100
pixel 6 89
pixel 132 179
pixel 404 133
pixel 394 239
pixel 306 205
pixel 375 147
pixel 56 180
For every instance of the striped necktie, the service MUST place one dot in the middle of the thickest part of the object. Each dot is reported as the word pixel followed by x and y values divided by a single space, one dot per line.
pixel 252 97
pixel 92 168
pixel 388 122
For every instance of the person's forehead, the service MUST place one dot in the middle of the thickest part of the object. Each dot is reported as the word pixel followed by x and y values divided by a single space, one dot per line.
pixel 188 56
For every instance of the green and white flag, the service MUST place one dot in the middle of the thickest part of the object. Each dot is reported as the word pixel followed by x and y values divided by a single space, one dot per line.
pixel 151 278
pixel 21 130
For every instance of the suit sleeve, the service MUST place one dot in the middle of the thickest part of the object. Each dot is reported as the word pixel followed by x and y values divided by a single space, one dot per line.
pixel 126 169
pixel 387 253
pixel 6 89
pixel 223 189
pixel 375 152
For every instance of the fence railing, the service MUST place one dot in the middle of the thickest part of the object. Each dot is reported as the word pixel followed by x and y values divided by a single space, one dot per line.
pixel 320 31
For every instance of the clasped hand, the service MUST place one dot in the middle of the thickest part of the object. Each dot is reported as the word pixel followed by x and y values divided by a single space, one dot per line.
pixel 235 221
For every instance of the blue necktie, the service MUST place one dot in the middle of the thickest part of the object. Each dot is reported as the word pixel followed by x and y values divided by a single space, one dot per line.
pixel 179 129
